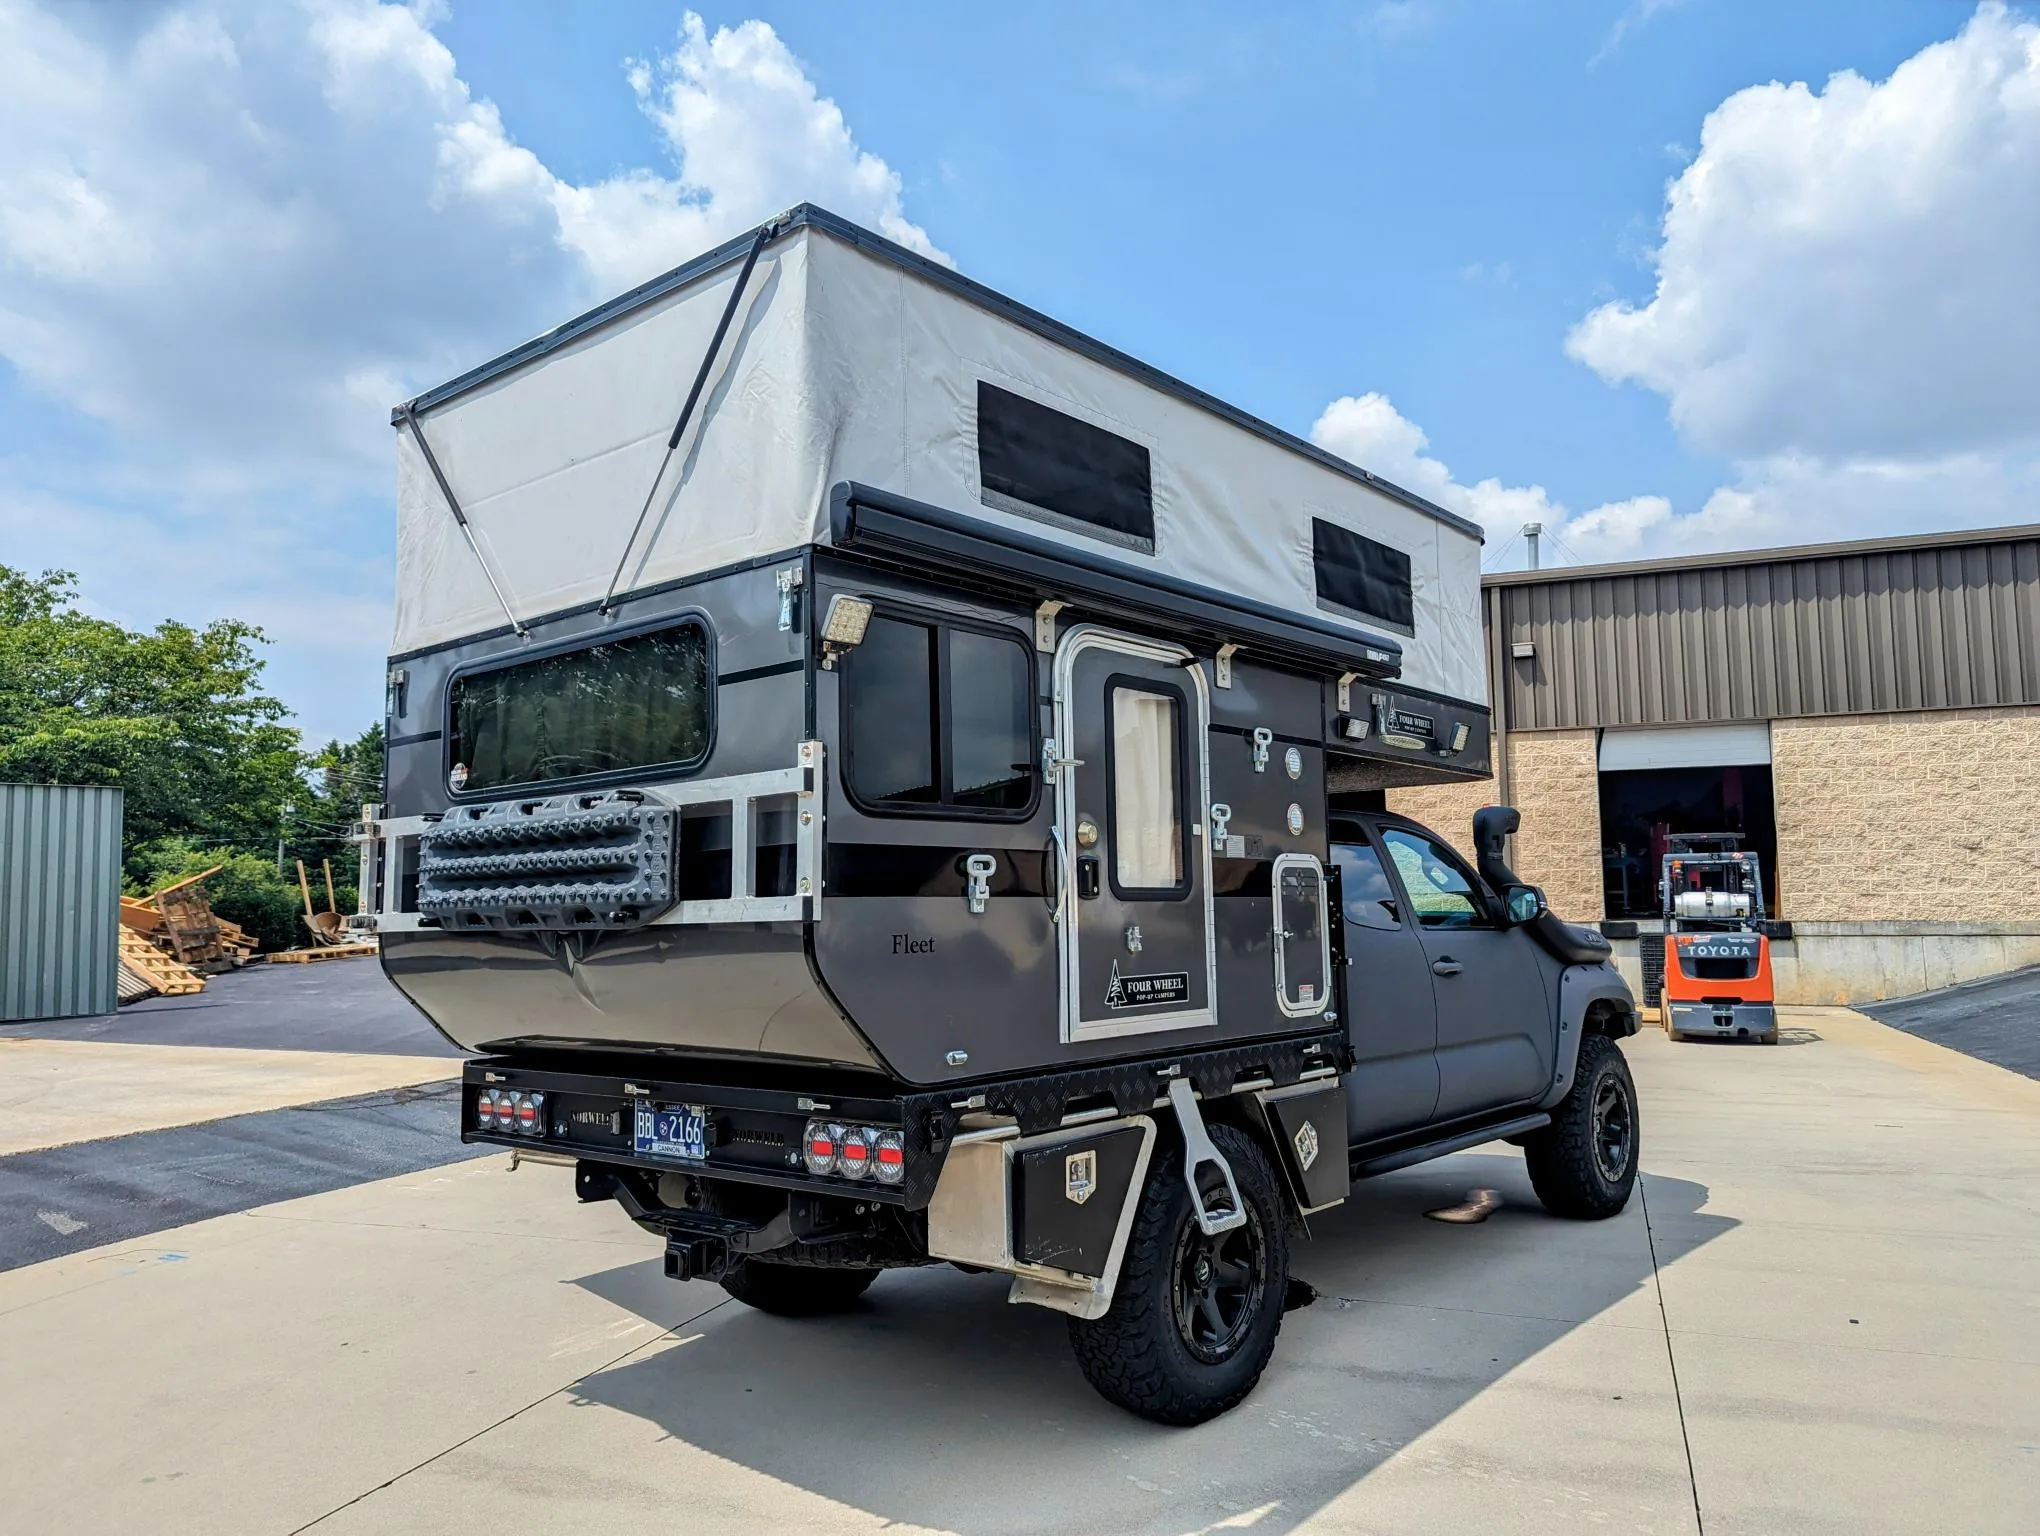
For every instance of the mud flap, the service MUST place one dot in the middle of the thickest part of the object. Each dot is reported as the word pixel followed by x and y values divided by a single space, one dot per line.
pixel 1307 1126
pixel 1053 1211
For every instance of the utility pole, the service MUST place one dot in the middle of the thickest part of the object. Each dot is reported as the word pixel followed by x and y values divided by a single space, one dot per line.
pixel 1531 533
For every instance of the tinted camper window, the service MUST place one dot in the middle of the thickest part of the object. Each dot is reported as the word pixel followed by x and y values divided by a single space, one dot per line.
pixel 1041 463
pixel 627 705
pixel 939 720
pixel 1360 576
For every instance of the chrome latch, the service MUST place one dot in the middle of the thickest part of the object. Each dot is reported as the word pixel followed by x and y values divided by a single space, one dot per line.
pixel 1263 739
pixel 1133 939
pixel 789 582
pixel 1223 845
pixel 979 868
pixel 1053 762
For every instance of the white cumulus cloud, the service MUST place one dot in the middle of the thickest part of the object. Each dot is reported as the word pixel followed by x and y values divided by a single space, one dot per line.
pixel 234 232
pixel 1847 310
pixel 246 227
pixel 1850 272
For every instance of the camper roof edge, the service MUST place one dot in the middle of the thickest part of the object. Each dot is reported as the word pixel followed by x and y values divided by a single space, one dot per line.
pixel 865 520
pixel 808 216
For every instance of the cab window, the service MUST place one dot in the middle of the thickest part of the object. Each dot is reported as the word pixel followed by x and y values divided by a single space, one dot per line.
pixel 1365 894
pixel 1440 894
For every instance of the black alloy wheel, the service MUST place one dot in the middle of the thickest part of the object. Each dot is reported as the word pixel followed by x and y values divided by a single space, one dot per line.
pixel 1219 1284
pixel 1614 1129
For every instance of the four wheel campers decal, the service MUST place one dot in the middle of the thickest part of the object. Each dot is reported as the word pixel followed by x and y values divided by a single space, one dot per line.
pixel 1146 991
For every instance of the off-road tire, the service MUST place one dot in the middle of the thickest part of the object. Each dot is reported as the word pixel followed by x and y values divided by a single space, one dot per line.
pixel 1571 1164
pixel 795 1290
pixel 1137 1354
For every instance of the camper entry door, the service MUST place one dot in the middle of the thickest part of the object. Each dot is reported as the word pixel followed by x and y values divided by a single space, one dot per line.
pixel 1131 809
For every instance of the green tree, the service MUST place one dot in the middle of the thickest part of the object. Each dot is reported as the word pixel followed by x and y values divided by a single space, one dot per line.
pixel 173 715
pixel 176 717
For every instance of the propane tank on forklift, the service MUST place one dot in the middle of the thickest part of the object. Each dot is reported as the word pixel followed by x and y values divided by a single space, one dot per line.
pixel 1717 942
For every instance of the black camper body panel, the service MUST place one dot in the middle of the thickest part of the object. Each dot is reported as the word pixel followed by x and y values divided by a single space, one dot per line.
pixel 737 989
pixel 895 973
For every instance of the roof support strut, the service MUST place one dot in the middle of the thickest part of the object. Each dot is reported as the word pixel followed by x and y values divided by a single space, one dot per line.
pixel 765 232
pixel 410 419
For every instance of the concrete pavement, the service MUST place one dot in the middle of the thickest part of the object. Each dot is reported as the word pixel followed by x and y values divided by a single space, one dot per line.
pixel 57 1092
pixel 1820 1317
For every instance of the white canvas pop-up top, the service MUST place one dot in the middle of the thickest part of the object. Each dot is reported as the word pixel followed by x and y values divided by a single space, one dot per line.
pixel 850 359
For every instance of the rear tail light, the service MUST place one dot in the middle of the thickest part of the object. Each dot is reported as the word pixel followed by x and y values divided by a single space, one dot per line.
pixel 854 1159
pixel 821 1145
pixel 856 1152
pixel 499 1109
pixel 889 1157
pixel 531 1113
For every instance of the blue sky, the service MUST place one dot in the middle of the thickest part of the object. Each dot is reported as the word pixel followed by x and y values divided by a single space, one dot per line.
pixel 1431 233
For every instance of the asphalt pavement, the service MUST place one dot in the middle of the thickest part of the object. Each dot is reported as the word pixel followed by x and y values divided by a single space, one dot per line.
pixel 63 1199
pixel 1995 1019
pixel 325 1005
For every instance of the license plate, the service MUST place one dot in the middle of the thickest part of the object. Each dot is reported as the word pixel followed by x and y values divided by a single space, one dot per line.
pixel 672 1130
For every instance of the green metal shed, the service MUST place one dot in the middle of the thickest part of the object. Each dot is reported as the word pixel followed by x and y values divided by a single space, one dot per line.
pixel 59 900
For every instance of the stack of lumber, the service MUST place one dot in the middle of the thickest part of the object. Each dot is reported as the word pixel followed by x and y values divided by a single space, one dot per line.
pixel 146 971
pixel 172 941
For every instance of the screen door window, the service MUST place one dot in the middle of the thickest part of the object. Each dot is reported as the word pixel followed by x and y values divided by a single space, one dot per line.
pixel 1303 956
pixel 1147 799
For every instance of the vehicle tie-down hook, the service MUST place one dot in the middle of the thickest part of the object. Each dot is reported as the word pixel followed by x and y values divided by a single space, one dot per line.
pixel 1214 1194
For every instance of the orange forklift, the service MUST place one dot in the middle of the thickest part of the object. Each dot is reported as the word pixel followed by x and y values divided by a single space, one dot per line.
pixel 1717 941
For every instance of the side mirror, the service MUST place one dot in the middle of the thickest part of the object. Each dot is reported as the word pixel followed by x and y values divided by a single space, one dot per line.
pixel 1523 904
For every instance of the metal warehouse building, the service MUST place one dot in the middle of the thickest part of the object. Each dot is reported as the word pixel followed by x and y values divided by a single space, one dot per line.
pixel 1866 715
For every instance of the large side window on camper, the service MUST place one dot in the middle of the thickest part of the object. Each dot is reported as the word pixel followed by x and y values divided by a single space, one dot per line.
pixel 629 705
pixel 939 720
pixel 1362 577
pixel 1046 464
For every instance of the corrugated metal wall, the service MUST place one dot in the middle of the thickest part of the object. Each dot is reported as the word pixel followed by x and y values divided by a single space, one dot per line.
pixel 1937 624
pixel 59 900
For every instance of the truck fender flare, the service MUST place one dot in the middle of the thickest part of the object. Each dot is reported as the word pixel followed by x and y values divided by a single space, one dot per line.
pixel 1580 989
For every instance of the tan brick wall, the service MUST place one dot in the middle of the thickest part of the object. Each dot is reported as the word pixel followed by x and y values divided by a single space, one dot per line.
pixel 1554 778
pixel 1914 817
pixel 1447 809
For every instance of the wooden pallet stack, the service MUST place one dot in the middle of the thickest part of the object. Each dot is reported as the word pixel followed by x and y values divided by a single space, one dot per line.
pixel 146 971
pixel 170 942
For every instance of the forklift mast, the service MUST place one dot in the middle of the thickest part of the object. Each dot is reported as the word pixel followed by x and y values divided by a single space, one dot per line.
pixel 1710 884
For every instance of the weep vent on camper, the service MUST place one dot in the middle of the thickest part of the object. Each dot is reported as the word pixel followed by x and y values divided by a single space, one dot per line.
pixel 574 861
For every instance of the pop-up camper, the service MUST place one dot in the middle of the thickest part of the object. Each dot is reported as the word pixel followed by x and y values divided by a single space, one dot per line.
pixel 860 761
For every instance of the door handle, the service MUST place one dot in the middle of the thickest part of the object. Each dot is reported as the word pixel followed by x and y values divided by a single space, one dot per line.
pixel 1446 966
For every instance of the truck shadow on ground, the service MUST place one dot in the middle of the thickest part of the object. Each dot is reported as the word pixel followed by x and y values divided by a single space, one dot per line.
pixel 937 1404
